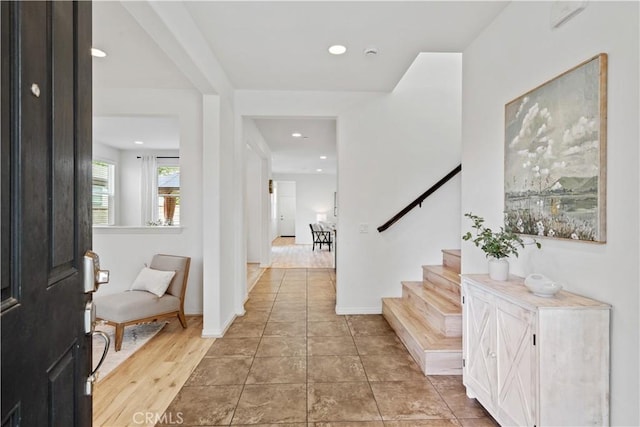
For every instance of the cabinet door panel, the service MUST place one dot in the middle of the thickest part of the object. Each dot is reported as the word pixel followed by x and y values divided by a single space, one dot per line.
pixel 516 364
pixel 479 363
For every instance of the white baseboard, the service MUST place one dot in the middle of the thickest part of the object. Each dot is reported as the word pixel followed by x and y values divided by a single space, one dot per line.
pixel 358 310
pixel 249 290
pixel 217 333
pixel 211 334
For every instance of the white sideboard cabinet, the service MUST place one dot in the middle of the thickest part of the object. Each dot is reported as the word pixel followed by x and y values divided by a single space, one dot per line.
pixel 535 361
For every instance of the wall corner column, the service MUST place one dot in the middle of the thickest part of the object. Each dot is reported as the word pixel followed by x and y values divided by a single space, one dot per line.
pixel 211 238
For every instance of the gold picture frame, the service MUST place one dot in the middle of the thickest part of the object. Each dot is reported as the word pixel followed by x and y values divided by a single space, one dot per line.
pixel 555 156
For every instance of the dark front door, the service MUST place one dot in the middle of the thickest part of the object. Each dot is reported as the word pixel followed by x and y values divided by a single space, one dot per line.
pixel 45 211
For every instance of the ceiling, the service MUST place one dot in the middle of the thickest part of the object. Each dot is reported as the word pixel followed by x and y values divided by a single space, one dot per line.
pixel 301 154
pixel 133 60
pixel 157 132
pixel 269 45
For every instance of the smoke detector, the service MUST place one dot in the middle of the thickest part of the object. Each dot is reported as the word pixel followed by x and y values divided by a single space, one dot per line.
pixel 371 51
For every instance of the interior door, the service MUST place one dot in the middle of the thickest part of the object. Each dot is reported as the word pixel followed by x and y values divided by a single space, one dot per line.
pixel 286 209
pixel 45 212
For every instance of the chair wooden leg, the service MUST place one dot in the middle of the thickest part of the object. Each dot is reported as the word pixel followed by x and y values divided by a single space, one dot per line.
pixel 119 336
pixel 183 320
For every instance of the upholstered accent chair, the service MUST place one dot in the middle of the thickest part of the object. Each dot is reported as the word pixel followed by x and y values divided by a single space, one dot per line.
pixel 140 306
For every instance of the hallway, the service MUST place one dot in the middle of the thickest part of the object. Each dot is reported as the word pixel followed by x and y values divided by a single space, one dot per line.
pixel 291 359
pixel 286 254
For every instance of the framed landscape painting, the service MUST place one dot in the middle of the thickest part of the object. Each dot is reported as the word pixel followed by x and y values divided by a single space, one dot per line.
pixel 555 156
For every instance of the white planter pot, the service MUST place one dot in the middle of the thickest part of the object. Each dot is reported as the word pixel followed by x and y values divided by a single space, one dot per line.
pixel 498 269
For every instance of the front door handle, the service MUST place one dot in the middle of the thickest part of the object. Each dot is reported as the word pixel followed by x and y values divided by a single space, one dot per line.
pixel 107 342
pixel 93 278
pixel 93 376
pixel 89 317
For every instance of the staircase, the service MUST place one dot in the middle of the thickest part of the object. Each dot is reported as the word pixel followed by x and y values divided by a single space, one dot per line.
pixel 428 317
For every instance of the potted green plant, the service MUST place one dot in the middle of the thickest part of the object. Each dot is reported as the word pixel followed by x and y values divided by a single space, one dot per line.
pixel 497 246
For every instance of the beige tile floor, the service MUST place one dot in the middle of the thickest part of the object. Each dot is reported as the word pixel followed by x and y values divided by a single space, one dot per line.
pixel 292 361
pixel 254 271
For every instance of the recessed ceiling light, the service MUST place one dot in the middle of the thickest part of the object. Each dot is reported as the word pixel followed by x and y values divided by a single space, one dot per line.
pixel 337 49
pixel 98 53
pixel 296 134
pixel 318 170
pixel 323 157
pixel 138 142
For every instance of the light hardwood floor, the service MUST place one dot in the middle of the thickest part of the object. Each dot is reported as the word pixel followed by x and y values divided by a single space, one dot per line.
pixel 144 384
pixel 286 254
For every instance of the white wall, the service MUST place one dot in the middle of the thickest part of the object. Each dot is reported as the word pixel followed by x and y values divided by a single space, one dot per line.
pixel 233 268
pixel 314 194
pixel 391 150
pixel 250 104
pixel 257 206
pixel 124 251
pixel 224 245
pixel 516 53
pixel 273 223
pixel 105 152
pixel 218 159
pixel 211 201
pixel 253 211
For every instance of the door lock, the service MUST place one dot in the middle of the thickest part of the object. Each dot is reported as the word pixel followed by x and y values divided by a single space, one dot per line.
pixel 93 276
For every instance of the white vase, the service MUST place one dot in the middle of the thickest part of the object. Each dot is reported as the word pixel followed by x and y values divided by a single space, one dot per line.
pixel 498 269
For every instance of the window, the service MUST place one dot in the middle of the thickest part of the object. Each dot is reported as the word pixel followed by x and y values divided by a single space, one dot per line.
pixel 169 195
pixel 102 193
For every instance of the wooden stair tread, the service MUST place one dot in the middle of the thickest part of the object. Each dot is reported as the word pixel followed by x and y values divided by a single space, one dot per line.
pixel 445 272
pixel 441 303
pixel 453 252
pixel 428 338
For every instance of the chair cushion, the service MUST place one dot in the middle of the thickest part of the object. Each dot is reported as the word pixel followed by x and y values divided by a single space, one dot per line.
pixel 154 281
pixel 179 264
pixel 132 305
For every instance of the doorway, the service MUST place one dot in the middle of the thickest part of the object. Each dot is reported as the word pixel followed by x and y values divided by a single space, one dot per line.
pixel 286 208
